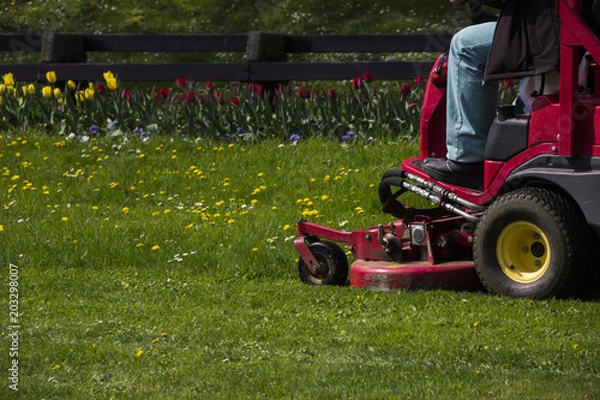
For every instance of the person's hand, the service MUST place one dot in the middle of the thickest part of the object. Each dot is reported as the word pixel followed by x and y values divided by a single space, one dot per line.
pixel 457 3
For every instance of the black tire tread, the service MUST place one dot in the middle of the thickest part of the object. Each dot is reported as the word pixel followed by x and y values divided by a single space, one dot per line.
pixel 569 219
pixel 337 260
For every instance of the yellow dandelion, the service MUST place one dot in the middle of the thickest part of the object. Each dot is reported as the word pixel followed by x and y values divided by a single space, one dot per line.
pixel 1 228
pixel 255 249
pixel 64 219
pixel 139 352
pixel 155 247
pixel 57 366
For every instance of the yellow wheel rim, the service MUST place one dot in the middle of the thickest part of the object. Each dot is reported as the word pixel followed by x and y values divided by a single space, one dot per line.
pixel 523 252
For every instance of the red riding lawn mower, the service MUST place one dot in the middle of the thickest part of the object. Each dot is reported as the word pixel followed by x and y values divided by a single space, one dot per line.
pixel 533 229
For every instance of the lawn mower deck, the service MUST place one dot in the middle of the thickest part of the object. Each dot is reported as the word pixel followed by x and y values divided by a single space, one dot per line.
pixel 426 253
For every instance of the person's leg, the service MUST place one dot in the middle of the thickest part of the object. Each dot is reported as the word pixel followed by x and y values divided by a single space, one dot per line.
pixel 471 105
pixel 471 109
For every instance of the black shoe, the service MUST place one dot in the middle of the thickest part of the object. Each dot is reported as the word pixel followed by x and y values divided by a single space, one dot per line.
pixel 461 174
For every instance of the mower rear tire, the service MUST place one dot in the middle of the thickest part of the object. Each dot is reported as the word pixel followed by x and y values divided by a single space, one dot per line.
pixel 333 265
pixel 527 244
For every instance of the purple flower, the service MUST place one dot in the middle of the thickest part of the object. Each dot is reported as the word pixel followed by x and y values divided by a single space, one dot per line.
pixel 140 132
pixel 94 129
pixel 294 138
pixel 348 136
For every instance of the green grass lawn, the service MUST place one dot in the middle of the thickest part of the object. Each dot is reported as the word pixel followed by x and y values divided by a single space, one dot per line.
pixel 165 269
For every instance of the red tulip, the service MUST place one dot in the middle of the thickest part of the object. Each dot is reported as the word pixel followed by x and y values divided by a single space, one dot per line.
pixel 304 93
pixel 405 90
pixel 188 97
pixel 164 93
pixel 126 94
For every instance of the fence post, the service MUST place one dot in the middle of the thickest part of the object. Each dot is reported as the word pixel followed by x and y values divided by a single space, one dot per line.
pixel 264 47
pixel 63 47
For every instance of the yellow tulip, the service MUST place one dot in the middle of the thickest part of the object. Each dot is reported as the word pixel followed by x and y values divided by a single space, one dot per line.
pixel 51 76
pixel 71 85
pixel 2 88
pixel 31 88
pixel 47 92
pixel 108 75
pixel 8 78
pixel 111 83
pixel 57 93
pixel 89 94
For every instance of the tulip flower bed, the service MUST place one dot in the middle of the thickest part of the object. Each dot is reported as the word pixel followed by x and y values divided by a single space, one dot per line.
pixel 359 110
pixel 162 267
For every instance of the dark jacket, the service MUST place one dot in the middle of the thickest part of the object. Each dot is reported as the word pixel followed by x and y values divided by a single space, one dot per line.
pixel 526 41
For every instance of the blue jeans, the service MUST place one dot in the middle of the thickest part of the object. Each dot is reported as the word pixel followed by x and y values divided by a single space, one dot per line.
pixel 471 105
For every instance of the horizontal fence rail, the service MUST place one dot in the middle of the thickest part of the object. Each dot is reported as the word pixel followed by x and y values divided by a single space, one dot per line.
pixel 265 56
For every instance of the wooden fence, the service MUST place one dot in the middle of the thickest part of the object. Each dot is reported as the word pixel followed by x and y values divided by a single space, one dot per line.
pixel 265 56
